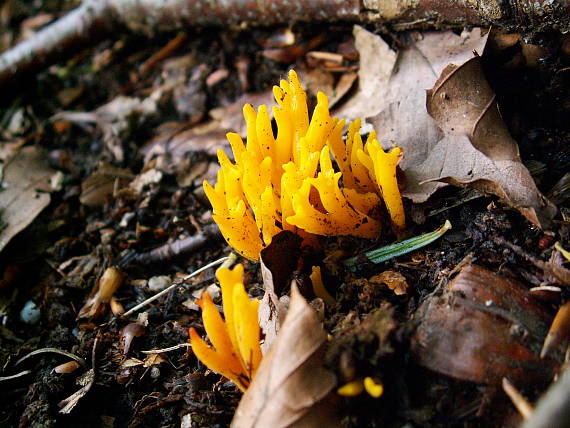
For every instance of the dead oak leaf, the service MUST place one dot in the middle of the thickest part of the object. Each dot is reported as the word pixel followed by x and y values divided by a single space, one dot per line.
pixel 479 149
pixel 467 143
pixel 291 385
pixel 24 190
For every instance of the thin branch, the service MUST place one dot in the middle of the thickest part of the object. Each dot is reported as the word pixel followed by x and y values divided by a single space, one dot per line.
pixel 167 252
pixel 96 19
pixel 53 351
pixel 173 286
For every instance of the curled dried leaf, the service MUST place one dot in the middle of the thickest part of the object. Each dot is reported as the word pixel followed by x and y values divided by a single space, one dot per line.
pixel 292 384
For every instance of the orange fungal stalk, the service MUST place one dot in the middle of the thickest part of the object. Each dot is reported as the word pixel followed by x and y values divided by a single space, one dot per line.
pixel 289 182
pixel 235 352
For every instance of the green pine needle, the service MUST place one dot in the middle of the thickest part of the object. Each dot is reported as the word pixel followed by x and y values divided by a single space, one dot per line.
pixel 398 249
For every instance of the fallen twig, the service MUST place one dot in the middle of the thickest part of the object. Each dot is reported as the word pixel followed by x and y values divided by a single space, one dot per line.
pixel 172 250
pixel 561 274
pixel 53 351
pixel 97 19
pixel 87 380
pixel 171 348
pixel 173 286
pixel 14 376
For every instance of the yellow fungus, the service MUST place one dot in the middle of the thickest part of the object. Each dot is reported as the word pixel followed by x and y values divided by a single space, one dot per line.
pixel 318 286
pixel 356 387
pixel 288 181
pixel 351 389
pixel 564 252
pixel 373 388
pixel 235 352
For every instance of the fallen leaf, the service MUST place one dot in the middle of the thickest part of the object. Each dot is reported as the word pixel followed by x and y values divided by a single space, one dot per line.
pixel 317 80
pixel 207 137
pixel 291 385
pixel 342 87
pixel 278 261
pixel 154 359
pixel 377 62
pixel 479 153
pixel 464 107
pixel 190 98
pixel 151 176
pixel 116 119
pixel 394 280
pixel 482 328
pixel 101 185
pixel 24 192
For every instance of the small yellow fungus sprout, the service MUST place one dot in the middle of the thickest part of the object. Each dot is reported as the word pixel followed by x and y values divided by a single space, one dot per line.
pixel 356 387
pixel 351 389
pixel 373 388
pixel 289 182
pixel 235 352
pixel 319 287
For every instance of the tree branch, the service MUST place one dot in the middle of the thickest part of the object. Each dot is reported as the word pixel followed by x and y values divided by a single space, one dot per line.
pixel 96 19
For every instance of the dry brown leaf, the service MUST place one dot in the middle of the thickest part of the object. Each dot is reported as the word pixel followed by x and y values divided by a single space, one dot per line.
pixel 464 107
pixel 291 385
pixel 116 119
pixel 154 359
pixel 278 261
pixel 377 62
pixel 24 193
pixel 102 184
pixel 342 87
pixel 317 80
pixel 482 328
pixel 169 149
pixel 394 280
pixel 435 156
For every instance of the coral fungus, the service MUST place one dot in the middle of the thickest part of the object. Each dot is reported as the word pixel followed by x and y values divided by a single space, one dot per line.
pixel 289 182
pixel 236 351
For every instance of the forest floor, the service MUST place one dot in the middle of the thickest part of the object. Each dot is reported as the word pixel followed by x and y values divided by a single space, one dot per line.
pixel 129 137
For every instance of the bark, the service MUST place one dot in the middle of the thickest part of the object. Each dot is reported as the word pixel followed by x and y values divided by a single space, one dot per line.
pixel 80 28
pixel 96 19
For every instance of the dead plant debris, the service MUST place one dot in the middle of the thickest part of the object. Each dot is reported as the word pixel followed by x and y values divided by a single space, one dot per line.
pixel 107 234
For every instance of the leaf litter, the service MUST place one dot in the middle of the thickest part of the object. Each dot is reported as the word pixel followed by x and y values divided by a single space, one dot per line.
pixel 163 206
pixel 291 385
pixel 460 137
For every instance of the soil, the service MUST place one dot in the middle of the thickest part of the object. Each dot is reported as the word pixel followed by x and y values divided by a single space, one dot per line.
pixel 133 390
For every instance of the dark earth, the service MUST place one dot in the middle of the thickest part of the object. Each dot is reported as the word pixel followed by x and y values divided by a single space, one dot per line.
pixel 535 104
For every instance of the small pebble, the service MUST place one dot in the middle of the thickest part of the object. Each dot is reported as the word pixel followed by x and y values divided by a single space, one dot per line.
pixel 157 283
pixel 30 314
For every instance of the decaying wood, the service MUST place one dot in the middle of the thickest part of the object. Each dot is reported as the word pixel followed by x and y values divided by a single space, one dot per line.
pixel 96 19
